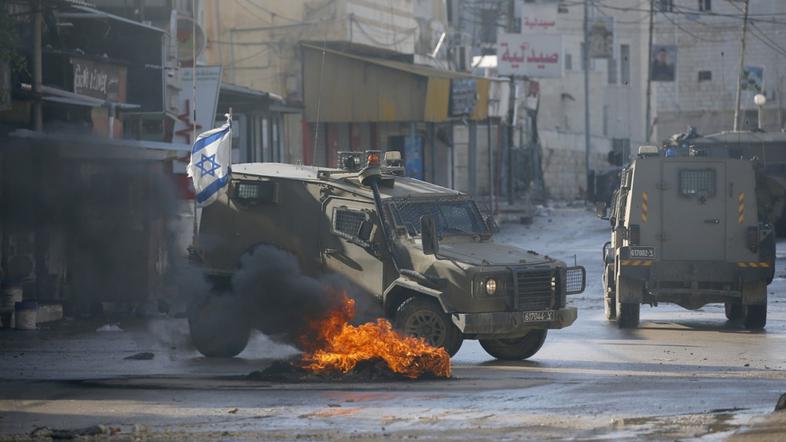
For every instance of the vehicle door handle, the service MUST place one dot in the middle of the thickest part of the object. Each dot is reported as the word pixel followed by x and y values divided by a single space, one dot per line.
pixel 712 221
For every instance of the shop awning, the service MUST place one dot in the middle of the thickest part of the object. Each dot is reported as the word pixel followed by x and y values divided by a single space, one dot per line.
pixel 72 145
pixel 342 87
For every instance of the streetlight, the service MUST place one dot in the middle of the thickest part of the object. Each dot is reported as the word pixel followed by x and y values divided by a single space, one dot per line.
pixel 760 100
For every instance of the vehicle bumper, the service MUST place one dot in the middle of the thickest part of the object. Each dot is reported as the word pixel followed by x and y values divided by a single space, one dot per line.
pixel 643 270
pixel 510 324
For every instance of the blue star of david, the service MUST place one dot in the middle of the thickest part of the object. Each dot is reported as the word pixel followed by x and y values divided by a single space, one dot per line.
pixel 212 166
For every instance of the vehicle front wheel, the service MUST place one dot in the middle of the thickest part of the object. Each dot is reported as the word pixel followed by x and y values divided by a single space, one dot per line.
pixel 423 318
pixel 515 349
pixel 218 327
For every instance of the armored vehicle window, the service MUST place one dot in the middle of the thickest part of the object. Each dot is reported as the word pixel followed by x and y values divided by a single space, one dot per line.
pixel 254 192
pixel 697 182
pixel 348 222
pixel 452 217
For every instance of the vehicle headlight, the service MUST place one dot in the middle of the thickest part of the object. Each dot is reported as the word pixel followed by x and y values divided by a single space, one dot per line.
pixel 490 285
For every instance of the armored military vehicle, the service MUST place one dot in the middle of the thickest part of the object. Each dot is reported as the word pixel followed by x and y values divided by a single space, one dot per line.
pixel 686 229
pixel 424 253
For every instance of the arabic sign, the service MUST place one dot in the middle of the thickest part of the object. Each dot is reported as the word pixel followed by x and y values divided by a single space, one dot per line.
pixel 601 37
pixel 539 17
pixel 530 55
pixel 463 97
pixel 208 83
pixel 99 80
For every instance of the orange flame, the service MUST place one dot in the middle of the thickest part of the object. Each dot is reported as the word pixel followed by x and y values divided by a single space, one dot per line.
pixel 336 345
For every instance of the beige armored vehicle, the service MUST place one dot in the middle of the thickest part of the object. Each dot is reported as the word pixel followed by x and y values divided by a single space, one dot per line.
pixel 429 260
pixel 686 229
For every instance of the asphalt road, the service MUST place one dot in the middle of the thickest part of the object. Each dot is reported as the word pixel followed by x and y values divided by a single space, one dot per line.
pixel 682 375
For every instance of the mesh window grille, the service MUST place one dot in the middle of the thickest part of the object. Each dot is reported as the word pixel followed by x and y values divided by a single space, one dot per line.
pixel 349 221
pixel 697 182
pixel 450 216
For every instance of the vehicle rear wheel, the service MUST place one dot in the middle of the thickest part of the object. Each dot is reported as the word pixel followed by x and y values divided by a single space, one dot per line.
pixel 423 318
pixel 755 316
pixel 628 312
pixel 609 307
pixel 733 310
pixel 515 349
pixel 218 327
pixel 628 315
pixel 609 300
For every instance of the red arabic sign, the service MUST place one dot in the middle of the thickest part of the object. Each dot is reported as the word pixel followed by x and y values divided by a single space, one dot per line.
pixel 538 56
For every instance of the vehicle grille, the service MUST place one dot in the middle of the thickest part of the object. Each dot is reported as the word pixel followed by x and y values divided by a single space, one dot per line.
pixel 535 290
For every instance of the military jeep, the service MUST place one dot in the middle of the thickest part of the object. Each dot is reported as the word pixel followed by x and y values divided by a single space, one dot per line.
pixel 686 229
pixel 423 253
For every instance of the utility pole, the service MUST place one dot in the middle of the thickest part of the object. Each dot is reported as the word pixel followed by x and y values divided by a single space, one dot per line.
pixel 586 63
pixel 648 117
pixel 38 70
pixel 740 67
pixel 510 134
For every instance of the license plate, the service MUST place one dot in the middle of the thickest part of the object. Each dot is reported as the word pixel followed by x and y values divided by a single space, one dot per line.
pixel 539 316
pixel 642 252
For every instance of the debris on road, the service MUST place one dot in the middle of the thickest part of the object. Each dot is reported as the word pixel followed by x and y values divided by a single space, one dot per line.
pixel 370 370
pixel 66 434
pixel 233 411
pixel 143 356
pixel 109 328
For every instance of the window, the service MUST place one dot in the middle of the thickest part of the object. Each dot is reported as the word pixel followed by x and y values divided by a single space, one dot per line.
pixel 568 62
pixel 562 7
pixel 350 222
pixel 705 5
pixel 458 217
pixel 625 64
pixel 705 75
pixel 665 5
pixel 611 70
pixel 583 56
pixel 621 149
pixel 697 182
pixel 251 193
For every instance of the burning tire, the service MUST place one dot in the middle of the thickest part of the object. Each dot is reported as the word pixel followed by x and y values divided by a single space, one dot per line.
pixel 218 327
pixel 424 318
pixel 515 349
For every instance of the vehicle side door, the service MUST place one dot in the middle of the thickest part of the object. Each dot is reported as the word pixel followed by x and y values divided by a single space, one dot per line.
pixel 354 247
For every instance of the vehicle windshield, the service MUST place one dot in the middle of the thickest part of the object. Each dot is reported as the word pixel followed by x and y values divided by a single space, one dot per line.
pixel 456 217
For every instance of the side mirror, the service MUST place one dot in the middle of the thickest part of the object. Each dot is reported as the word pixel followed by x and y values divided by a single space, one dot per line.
pixel 491 224
pixel 428 235
pixel 364 231
pixel 602 210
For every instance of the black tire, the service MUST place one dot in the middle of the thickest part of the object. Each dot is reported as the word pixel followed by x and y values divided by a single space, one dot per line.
pixel 628 312
pixel 755 316
pixel 515 349
pixel 424 318
pixel 628 315
pixel 733 310
pixel 609 307
pixel 218 327
pixel 609 299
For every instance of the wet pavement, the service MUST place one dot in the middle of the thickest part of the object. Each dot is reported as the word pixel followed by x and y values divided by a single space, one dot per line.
pixel 682 375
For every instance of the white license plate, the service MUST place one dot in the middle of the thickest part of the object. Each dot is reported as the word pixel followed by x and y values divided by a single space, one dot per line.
pixel 539 316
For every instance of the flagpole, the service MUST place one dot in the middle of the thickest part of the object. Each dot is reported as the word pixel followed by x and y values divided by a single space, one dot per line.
pixel 195 232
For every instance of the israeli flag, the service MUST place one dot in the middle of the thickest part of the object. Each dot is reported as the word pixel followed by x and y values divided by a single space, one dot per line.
pixel 210 161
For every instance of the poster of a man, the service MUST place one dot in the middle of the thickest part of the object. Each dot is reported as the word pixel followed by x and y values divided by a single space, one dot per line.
pixel 664 62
